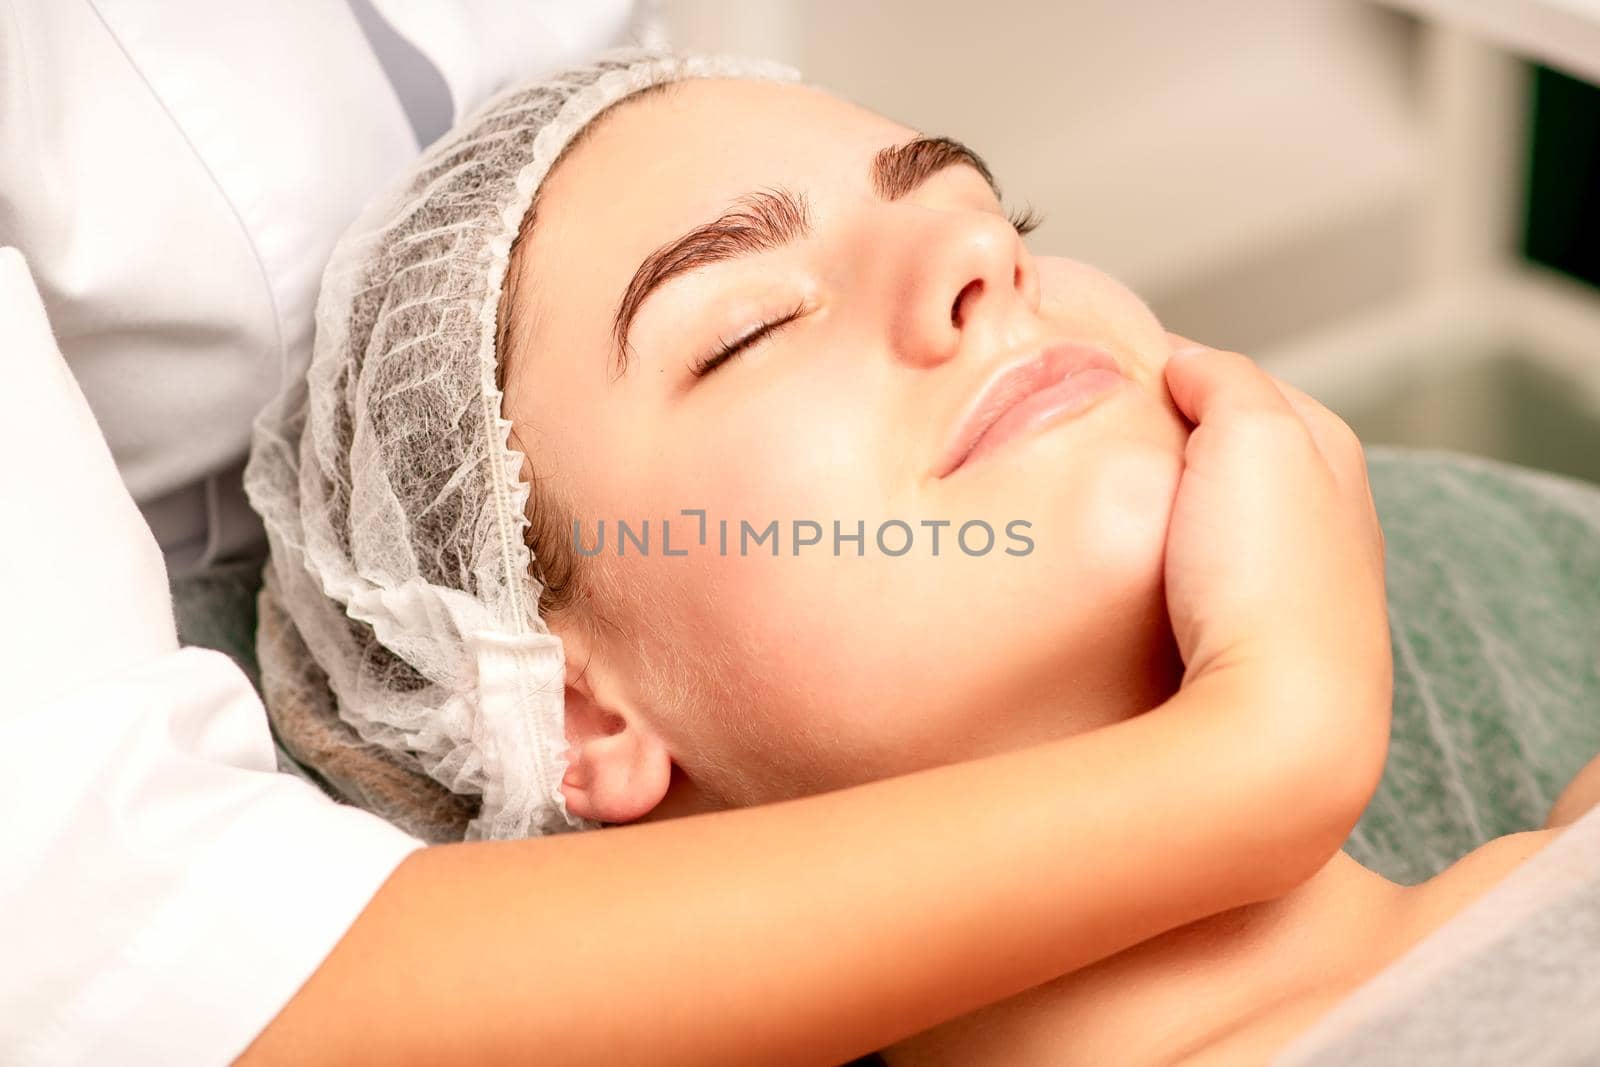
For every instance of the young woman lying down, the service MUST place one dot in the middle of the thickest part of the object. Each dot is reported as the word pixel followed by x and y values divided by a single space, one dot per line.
pixel 682 438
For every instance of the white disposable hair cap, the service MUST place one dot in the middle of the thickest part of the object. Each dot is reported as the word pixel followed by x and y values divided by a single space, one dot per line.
pixel 401 593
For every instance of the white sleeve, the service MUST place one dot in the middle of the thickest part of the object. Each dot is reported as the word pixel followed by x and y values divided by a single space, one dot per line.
pixel 481 46
pixel 163 890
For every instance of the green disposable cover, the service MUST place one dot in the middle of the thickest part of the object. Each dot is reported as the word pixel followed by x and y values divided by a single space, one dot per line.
pixel 1494 610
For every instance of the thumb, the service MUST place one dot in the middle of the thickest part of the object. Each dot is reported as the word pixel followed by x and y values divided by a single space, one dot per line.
pixel 1208 383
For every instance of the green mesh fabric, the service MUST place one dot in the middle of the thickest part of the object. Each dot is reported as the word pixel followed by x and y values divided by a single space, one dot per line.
pixel 1494 607
pixel 216 608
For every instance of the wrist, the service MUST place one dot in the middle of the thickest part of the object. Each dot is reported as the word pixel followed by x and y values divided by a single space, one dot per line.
pixel 1302 753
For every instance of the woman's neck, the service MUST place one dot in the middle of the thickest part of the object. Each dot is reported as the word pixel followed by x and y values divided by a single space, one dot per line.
pixel 1185 989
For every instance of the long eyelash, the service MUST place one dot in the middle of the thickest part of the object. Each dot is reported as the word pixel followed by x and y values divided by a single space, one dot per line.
pixel 726 350
pixel 1026 221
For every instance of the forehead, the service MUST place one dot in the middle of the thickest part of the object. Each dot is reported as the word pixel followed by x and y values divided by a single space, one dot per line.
pixel 694 147
pixel 658 165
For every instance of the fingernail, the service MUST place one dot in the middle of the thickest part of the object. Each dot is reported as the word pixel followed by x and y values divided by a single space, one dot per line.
pixel 1191 350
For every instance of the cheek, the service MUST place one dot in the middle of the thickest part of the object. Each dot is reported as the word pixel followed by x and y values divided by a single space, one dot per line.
pixel 1125 511
pixel 1096 568
pixel 847 670
pixel 796 448
pixel 1075 294
pixel 758 471
pixel 1114 528
pixel 755 672
pixel 754 633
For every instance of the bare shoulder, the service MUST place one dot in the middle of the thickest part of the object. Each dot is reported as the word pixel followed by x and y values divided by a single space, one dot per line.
pixel 1433 902
pixel 1422 910
pixel 1581 794
pixel 1428 906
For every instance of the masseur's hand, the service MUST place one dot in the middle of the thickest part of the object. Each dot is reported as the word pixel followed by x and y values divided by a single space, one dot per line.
pixel 1274 566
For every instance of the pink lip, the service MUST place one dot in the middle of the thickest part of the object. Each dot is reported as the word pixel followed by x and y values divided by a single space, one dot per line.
pixel 1062 379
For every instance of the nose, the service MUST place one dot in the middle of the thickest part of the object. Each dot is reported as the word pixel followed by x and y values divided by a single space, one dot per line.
pixel 972 285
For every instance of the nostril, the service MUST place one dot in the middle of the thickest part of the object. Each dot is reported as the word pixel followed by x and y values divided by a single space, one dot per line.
pixel 974 287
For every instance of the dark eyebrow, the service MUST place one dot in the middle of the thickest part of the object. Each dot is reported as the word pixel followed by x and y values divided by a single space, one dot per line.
pixel 899 169
pixel 771 218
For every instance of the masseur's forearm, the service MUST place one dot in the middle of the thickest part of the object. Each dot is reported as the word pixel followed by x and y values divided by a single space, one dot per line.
pixel 816 930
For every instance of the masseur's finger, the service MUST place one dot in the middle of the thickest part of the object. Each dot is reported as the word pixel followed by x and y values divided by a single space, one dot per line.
pixel 1330 435
pixel 1209 383
pixel 1339 445
pixel 1341 450
pixel 1335 440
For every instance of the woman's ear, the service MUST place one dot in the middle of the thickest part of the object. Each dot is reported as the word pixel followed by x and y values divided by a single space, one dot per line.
pixel 618 767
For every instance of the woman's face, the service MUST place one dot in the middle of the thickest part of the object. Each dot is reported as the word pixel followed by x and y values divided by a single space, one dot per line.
pixel 831 664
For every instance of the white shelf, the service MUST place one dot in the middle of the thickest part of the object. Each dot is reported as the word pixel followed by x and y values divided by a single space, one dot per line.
pixel 1528 311
pixel 1560 33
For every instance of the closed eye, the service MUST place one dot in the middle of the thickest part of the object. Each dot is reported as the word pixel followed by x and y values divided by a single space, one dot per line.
pixel 1025 221
pixel 726 350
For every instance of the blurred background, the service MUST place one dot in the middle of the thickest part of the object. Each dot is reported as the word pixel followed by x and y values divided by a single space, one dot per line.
pixel 1394 205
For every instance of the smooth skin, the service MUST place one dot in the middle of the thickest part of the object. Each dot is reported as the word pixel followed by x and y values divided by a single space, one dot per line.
pixel 815 930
